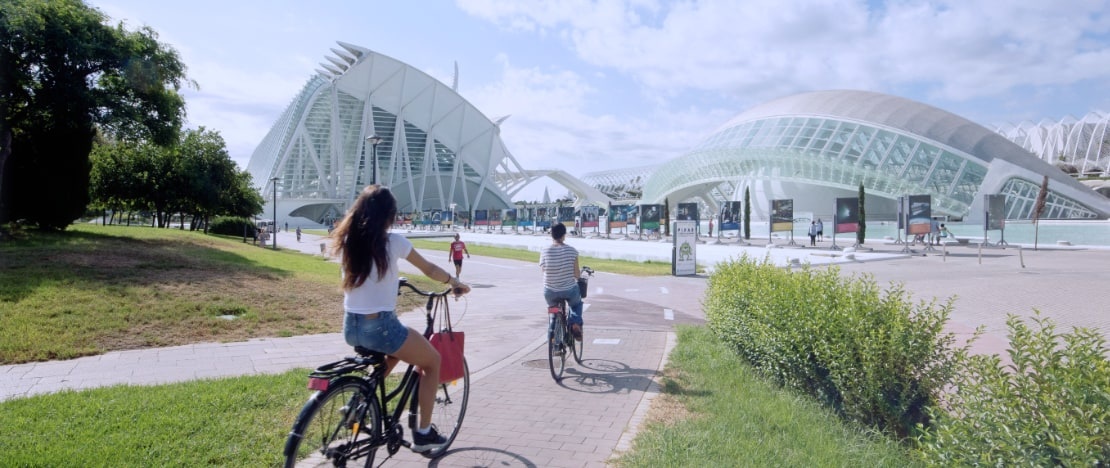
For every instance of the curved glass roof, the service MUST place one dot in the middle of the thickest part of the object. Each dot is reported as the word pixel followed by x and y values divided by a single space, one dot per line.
pixel 893 146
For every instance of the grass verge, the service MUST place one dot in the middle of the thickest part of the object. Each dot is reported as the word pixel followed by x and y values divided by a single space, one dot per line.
pixel 93 289
pixel 715 411
pixel 620 267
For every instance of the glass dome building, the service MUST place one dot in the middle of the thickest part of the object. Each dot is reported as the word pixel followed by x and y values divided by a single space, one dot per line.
pixel 815 147
pixel 435 149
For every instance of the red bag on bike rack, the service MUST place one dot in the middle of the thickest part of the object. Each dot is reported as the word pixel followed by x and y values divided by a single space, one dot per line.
pixel 449 344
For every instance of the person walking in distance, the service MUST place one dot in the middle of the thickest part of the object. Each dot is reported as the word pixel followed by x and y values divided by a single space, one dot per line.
pixel 559 263
pixel 368 253
pixel 820 230
pixel 455 253
pixel 813 233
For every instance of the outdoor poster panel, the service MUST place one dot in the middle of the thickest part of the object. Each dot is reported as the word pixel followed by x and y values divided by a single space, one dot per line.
pixel 509 218
pixel 589 216
pixel 919 214
pixel 566 216
pixel 685 247
pixel 730 215
pixel 996 211
pixel 687 212
pixel 481 217
pixel 494 217
pixel 435 217
pixel 425 217
pixel 847 215
pixel 524 217
pixel 618 217
pixel 543 218
pixel 447 219
pixel 782 215
pixel 632 214
pixel 462 218
pixel 649 216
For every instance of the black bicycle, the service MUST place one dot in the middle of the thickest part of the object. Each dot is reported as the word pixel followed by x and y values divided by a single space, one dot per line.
pixel 352 413
pixel 559 336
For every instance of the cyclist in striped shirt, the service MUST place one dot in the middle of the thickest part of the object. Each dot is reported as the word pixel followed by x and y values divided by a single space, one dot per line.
pixel 560 277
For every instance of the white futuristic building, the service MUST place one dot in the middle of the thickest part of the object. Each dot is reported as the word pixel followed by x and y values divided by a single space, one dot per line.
pixel 1077 146
pixel 434 149
pixel 815 147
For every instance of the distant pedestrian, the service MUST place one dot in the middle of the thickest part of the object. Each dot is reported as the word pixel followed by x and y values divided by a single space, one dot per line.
pixel 813 233
pixel 455 254
pixel 934 231
pixel 711 228
pixel 820 230
pixel 298 233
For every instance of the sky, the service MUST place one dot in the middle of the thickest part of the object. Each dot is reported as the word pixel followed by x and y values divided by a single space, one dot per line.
pixel 592 85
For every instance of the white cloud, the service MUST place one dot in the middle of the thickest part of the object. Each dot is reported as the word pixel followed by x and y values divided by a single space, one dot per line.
pixel 958 49
pixel 550 128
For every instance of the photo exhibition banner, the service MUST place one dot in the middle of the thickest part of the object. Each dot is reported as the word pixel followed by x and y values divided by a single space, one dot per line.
pixel 618 216
pixel 543 217
pixel 995 211
pixel 524 217
pixel 730 215
pixel 649 216
pixel 481 217
pixel 566 216
pixel 847 215
pixel 509 218
pixel 494 217
pixel 919 214
pixel 589 216
pixel 782 215
pixel 685 248
pixel 687 212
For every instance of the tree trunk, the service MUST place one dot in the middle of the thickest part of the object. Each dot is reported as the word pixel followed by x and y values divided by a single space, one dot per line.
pixel 5 151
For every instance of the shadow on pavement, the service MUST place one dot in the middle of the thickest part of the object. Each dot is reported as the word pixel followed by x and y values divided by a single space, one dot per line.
pixel 481 457
pixel 612 377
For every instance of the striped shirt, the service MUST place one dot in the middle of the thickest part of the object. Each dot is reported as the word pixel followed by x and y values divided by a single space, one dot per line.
pixel 557 261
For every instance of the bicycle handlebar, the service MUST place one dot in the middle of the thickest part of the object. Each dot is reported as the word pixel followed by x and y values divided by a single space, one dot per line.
pixel 404 282
pixel 587 270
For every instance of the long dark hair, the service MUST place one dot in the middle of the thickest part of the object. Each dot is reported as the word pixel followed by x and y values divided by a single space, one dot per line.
pixel 360 238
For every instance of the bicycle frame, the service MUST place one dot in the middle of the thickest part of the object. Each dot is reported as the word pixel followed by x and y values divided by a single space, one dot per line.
pixel 370 405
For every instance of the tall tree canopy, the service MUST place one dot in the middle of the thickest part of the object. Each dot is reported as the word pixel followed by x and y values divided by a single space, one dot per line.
pixel 64 72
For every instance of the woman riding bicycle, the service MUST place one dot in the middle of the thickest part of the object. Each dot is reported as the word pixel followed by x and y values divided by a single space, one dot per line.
pixel 560 277
pixel 369 254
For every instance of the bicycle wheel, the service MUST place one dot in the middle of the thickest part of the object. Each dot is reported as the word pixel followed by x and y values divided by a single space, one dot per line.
pixel 575 345
pixel 335 426
pixel 556 352
pixel 450 409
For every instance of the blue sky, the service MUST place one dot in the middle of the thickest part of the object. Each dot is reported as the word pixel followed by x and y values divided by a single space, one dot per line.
pixel 596 85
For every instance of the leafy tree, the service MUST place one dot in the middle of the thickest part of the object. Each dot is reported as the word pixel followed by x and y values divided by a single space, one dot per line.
pixel 64 73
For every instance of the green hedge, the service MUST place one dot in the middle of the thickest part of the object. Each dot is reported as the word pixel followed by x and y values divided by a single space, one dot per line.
pixel 873 356
pixel 1049 407
pixel 880 359
pixel 231 226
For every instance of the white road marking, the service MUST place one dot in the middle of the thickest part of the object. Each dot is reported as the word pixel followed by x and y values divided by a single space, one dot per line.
pixel 585 307
pixel 668 314
pixel 609 341
pixel 663 290
pixel 600 290
pixel 631 290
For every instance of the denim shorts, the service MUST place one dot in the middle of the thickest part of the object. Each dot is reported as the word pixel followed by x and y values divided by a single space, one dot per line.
pixel 383 333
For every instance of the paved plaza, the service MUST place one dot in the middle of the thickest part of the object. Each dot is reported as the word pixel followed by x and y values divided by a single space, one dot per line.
pixel 518 416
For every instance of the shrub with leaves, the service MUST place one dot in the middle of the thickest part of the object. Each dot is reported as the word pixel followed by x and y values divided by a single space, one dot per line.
pixel 1050 407
pixel 874 356
pixel 232 226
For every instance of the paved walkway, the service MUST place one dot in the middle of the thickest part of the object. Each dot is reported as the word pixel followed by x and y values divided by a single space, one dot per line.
pixel 518 416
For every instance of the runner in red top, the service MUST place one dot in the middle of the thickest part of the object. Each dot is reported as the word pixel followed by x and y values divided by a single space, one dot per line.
pixel 455 254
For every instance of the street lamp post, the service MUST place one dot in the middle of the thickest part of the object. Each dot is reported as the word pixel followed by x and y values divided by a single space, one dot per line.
pixel 275 181
pixel 374 140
